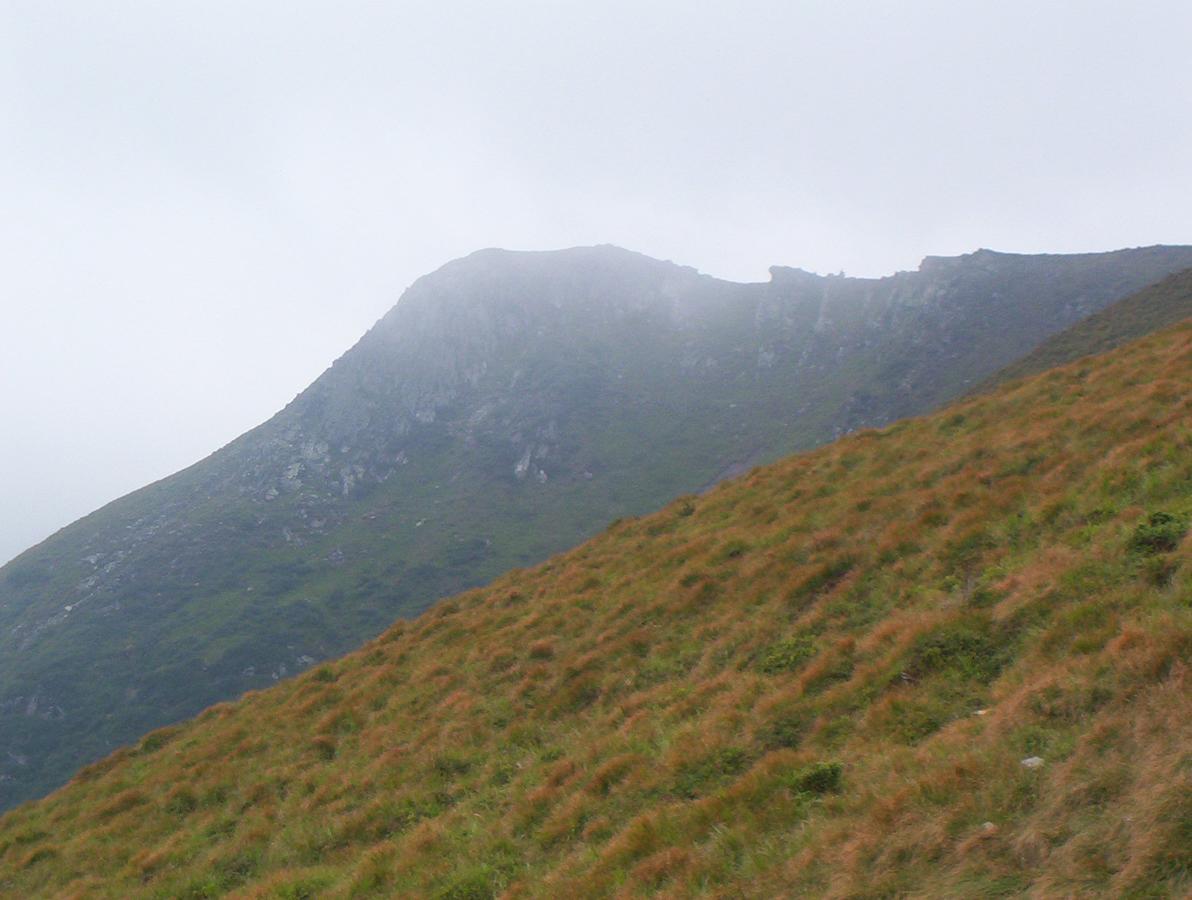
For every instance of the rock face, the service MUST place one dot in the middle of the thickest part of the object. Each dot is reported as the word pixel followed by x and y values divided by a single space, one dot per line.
pixel 510 405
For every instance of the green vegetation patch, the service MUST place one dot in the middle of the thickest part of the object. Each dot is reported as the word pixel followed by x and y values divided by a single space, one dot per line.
pixel 817 778
pixel 969 648
pixel 787 655
pixel 1160 533
pixel 697 777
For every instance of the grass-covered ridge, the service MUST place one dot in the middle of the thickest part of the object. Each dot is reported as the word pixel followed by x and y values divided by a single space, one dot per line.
pixel 510 406
pixel 821 679
pixel 1145 312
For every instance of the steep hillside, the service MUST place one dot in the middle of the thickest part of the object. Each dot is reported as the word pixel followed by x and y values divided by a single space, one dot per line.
pixel 509 406
pixel 1145 312
pixel 949 658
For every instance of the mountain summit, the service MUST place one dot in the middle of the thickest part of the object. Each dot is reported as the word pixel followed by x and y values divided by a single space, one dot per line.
pixel 510 405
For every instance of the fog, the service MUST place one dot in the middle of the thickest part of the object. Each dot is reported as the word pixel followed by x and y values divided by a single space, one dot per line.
pixel 206 203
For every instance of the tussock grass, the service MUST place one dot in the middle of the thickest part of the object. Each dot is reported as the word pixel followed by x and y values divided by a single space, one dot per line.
pixel 820 679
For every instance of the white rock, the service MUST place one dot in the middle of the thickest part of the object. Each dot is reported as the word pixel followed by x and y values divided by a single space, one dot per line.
pixel 523 465
pixel 1032 762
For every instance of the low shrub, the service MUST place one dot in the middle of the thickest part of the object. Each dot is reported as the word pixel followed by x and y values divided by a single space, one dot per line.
pixel 1160 533
pixel 964 648
pixel 817 778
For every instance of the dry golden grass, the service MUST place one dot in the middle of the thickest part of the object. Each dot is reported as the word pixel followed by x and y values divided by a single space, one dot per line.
pixel 818 680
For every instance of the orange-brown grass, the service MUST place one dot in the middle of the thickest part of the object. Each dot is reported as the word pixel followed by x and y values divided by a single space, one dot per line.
pixel 820 679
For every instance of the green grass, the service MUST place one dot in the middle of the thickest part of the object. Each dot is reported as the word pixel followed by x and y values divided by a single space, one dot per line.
pixel 640 381
pixel 820 679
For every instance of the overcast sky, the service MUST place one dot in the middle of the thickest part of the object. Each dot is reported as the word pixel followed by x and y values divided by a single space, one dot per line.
pixel 205 203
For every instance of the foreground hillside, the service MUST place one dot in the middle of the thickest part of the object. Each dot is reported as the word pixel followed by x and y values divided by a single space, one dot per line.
pixel 511 405
pixel 949 658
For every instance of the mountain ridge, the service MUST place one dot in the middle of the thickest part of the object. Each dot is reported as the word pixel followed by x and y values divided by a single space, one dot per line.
pixel 949 658
pixel 508 406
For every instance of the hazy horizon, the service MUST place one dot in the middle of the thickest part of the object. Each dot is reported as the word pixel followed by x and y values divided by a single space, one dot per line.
pixel 209 203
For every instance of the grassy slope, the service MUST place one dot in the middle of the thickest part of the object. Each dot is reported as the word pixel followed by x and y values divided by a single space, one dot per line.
pixel 191 591
pixel 663 708
pixel 1162 304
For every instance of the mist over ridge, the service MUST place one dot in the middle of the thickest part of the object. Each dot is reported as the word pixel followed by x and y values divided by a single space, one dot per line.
pixel 510 405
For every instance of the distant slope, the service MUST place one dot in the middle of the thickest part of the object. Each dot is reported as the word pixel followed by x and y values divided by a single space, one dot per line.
pixel 1145 312
pixel 509 406
pixel 946 659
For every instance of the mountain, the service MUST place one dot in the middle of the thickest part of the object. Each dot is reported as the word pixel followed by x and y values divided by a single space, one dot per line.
pixel 949 658
pixel 509 406
pixel 1139 314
